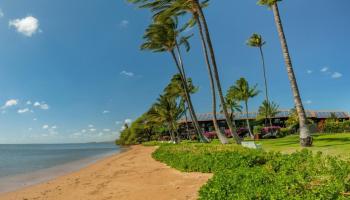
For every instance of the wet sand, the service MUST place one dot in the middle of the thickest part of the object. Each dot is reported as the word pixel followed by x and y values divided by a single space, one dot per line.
pixel 133 174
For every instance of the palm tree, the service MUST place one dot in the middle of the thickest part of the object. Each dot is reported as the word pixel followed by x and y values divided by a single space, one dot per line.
pixel 267 108
pixel 175 88
pixel 167 112
pixel 233 105
pixel 305 136
pixel 166 8
pixel 163 37
pixel 257 41
pixel 241 91
pixel 208 41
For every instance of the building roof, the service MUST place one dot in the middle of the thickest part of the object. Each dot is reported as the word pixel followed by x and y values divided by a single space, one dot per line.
pixel 281 114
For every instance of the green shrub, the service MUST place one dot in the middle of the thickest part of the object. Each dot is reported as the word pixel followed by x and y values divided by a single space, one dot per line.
pixel 333 127
pixel 257 130
pixel 285 131
pixel 241 173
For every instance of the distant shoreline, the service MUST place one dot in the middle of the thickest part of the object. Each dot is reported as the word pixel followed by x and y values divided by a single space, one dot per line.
pixel 130 174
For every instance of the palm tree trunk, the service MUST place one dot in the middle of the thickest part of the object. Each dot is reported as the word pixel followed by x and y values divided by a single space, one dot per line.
pixel 172 135
pixel 216 73
pixel 305 136
pixel 247 116
pixel 188 99
pixel 268 112
pixel 187 127
pixel 222 137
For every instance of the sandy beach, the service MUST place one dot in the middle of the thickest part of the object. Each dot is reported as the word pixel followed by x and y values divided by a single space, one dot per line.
pixel 133 174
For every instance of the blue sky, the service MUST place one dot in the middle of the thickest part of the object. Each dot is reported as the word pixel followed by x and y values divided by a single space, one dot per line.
pixel 71 71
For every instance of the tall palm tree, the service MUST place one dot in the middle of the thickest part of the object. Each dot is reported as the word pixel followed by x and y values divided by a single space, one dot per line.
pixel 166 8
pixel 257 41
pixel 305 136
pixel 167 112
pixel 243 92
pixel 268 109
pixel 162 36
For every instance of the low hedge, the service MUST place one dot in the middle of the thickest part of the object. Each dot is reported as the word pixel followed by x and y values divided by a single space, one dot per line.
pixel 241 173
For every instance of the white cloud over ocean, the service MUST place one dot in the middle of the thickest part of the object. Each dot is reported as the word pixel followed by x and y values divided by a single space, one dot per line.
pixel 337 75
pixel 10 103
pixel 27 26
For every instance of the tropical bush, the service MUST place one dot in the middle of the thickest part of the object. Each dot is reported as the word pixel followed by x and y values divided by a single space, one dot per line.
pixel 241 173
pixel 257 130
pixel 286 131
pixel 334 126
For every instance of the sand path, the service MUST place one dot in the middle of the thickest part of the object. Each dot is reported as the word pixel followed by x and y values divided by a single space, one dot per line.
pixel 131 175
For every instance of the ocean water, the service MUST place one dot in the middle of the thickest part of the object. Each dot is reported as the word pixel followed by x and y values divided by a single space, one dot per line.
pixel 26 164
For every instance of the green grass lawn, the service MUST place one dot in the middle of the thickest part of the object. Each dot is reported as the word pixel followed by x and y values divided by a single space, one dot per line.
pixel 329 144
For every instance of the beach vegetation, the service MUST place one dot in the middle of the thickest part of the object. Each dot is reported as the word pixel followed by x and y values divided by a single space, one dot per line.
pixel 241 173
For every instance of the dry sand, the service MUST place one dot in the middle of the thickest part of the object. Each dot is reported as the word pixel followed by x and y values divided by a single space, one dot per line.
pixel 131 175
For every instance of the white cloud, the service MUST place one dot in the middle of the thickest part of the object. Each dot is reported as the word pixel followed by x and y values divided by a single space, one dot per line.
pixel 309 71
pixel 92 130
pixel 308 102
pixel 29 103
pixel 83 131
pixel 45 126
pixel 20 111
pixel 42 105
pixel 1 13
pixel 106 130
pixel 90 126
pixel 100 134
pixel 128 74
pixel 118 122
pixel 30 129
pixel 35 119
pixel 128 121
pixel 122 128
pixel 54 127
pixel 324 69
pixel 106 112
pixel 124 23
pixel 10 103
pixel 337 75
pixel 26 26
pixel 77 134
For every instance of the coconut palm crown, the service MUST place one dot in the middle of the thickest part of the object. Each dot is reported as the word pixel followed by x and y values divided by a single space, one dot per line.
pixel 268 3
pixel 256 40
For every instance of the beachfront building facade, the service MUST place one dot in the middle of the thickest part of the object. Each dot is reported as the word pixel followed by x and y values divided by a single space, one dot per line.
pixel 205 119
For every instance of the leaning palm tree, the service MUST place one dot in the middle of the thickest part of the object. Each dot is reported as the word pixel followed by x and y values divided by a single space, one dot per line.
pixel 267 108
pixel 257 41
pixel 305 136
pixel 166 8
pixel 241 91
pixel 162 36
pixel 167 112
pixel 213 70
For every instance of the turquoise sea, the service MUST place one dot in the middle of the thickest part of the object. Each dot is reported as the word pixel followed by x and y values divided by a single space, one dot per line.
pixel 26 164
